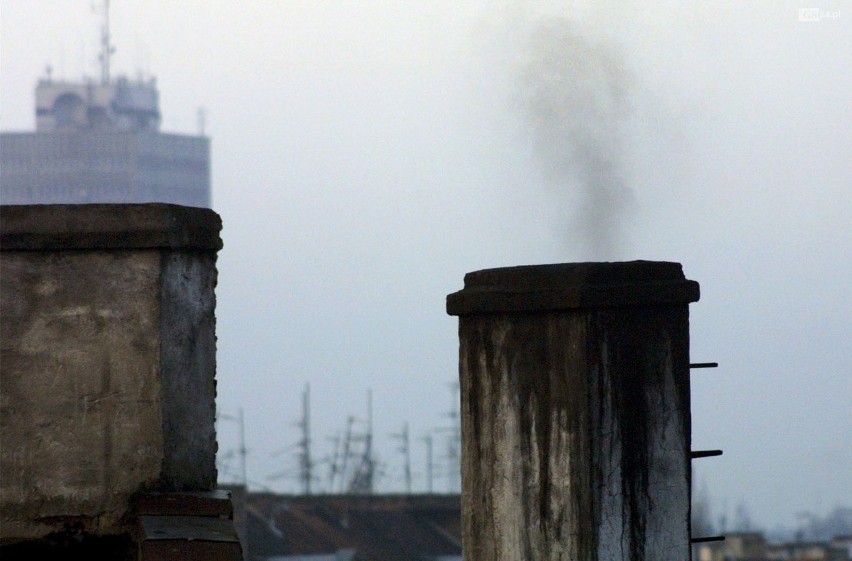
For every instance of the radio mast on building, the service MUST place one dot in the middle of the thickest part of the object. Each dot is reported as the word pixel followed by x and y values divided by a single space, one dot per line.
pixel 107 48
pixel 100 142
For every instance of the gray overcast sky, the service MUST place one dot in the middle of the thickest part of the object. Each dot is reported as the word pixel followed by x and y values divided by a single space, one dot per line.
pixel 367 154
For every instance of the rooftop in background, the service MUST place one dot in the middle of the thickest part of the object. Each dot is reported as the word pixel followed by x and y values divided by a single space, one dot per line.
pixel 120 105
pixel 356 527
pixel 99 142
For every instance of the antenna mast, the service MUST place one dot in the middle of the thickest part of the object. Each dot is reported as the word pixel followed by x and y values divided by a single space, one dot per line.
pixel 202 124
pixel 454 442
pixel 305 462
pixel 364 477
pixel 107 49
pixel 405 449
pixel 407 452
pixel 429 465
pixel 243 450
pixel 347 442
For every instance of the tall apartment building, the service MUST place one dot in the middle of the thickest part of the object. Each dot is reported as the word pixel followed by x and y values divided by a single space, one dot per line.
pixel 99 142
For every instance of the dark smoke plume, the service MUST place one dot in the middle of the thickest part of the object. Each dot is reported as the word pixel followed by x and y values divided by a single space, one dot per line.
pixel 575 95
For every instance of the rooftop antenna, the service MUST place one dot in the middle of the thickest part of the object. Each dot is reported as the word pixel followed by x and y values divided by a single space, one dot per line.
pixel 429 466
pixel 202 126
pixel 454 441
pixel 107 49
pixel 243 450
pixel 405 449
pixel 347 442
pixel 306 464
pixel 334 467
pixel 368 453
pixel 363 478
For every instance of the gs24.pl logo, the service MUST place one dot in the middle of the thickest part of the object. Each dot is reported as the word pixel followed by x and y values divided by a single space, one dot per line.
pixel 817 14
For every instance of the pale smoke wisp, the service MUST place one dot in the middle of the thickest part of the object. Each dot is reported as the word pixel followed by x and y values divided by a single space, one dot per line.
pixel 574 93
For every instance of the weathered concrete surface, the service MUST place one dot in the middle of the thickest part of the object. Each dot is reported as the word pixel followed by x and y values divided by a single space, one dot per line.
pixel 102 226
pixel 188 360
pixel 107 362
pixel 575 412
pixel 568 286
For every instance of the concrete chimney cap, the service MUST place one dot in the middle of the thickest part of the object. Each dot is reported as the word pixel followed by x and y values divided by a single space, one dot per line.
pixel 108 226
pixel 563 286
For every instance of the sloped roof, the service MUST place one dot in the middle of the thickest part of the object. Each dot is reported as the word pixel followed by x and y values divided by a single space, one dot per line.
pixel 377 527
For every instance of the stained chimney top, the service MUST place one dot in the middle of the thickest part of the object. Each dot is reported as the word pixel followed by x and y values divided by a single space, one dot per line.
pixel 572 286
pixel 108 226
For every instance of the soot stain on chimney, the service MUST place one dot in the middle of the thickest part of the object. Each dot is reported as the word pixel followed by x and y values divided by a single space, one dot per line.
pixel 552 394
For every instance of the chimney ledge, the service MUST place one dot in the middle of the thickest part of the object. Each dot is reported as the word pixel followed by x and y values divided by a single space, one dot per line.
pixel 537 288
pixel 108 226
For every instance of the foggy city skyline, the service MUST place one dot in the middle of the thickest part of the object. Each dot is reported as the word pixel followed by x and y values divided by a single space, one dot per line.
pixel 366 155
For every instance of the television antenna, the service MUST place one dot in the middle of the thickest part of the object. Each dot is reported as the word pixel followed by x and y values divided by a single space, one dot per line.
pixel 107 49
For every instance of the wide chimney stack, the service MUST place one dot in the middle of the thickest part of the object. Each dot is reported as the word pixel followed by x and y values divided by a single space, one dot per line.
pixel 575 412
pixel 108 358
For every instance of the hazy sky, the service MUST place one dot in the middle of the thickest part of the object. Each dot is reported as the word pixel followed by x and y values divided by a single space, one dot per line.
pixel 367 154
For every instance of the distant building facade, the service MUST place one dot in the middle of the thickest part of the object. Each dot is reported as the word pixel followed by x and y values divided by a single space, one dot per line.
pixel 100 143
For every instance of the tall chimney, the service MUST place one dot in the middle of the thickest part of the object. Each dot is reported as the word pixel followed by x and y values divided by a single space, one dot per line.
pixel 575 412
